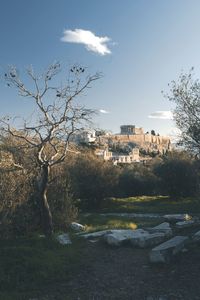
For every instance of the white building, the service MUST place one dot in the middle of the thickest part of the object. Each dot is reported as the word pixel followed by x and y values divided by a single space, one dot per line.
pixel 84 136
pixel 116 158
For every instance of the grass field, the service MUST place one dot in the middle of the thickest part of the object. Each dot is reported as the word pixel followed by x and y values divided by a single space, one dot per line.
pixel 33 266
pixel 151 204
pixel 96 222
pixel 142 204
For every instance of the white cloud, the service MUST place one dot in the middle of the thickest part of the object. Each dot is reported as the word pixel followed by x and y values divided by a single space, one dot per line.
pixel 103 111
pixel 162 114
pixel 89 39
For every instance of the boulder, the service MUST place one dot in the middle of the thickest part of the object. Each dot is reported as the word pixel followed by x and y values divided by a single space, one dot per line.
pixel 94 235
pixel 148 240
pixel 163 227
pixel 117 237
pixel 41 236
pixel 177 217
pixel 184 224
pixel 196 236
pixel 64 239
pixel 133 215
pixel 165 251
pixel 77 227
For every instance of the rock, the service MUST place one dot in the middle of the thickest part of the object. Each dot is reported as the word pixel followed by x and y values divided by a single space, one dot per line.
pixel 196 236
pixel 41 236
pixel 147 240
pixel 77 227
pixel 184 224
pixel 184 250
pixel 164 252
pixel 133 215
pixel 94 241
pixel 117 237
pixel 64 239
pixel 163 227
pixel 177 217
pixel 94 235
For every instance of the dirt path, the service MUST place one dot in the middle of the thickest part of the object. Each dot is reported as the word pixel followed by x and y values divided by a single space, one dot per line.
pixel 125 273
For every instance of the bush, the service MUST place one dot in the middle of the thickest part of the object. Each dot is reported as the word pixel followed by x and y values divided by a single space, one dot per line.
pixel 61 200
pixel 137 180
pixel 178 175
pixel 92 179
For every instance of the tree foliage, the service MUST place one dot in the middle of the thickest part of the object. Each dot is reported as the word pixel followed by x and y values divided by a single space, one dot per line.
pixel 178 173
pixel 185 93
pixel 93 179
pixel 137 180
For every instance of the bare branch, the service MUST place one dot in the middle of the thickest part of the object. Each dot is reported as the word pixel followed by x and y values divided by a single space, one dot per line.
pixel 58 116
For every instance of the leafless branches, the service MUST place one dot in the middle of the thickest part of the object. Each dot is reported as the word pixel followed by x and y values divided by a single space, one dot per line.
pixel 58 115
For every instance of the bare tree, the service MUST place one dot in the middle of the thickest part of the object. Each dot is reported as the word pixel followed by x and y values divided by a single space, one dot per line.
pixel 57 117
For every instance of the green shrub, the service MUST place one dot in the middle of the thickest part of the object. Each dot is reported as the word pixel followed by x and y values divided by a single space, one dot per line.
pixel 178 175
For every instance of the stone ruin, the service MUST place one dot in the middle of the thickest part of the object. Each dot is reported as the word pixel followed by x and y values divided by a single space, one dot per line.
pixel 164 244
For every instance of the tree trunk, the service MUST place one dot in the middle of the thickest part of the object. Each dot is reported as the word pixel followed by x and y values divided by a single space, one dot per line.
pixel 46 216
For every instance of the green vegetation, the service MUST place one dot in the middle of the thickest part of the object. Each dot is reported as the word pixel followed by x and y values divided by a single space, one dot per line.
pixel 179 174
pixel 96 222
pixel 30 267
pixel 141 204
pixel 83 183
pixel 185 93
pixel 152 204
pixel 79 189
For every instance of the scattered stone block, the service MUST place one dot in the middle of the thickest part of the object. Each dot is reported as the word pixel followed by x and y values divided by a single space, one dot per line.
pixel 196 236
pixel 134 215
pixel 117 237
pixel 77 227
pixel 64 239
pixel 177 217
pixel 185 224
pixel 184 250
pixel 148 240
pixel 163 227
pixel 94 241
pixel 165 251
pixel 94 235
pixel 41 236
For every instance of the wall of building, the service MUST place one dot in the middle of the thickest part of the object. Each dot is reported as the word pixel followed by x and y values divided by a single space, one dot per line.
pixel 130 129
pixel 107 155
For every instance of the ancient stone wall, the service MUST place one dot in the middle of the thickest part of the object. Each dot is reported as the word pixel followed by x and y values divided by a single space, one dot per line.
pixel 146 141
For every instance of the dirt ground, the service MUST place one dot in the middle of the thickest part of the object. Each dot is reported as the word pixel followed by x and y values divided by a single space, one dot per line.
pixel 125 273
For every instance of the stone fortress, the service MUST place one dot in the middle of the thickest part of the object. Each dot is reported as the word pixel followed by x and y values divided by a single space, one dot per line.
pixel 147 141
pixel 130 145
pixel 136 139
pixel 110 146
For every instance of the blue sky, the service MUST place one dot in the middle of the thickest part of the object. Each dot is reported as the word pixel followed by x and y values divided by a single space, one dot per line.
pixel 151 42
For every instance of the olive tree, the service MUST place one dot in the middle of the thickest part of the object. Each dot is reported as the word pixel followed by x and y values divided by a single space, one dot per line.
pixel 57 116
pixel 185 93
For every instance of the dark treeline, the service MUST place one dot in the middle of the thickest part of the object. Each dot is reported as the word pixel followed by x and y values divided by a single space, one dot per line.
pixel 82 182
pixel 175 174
